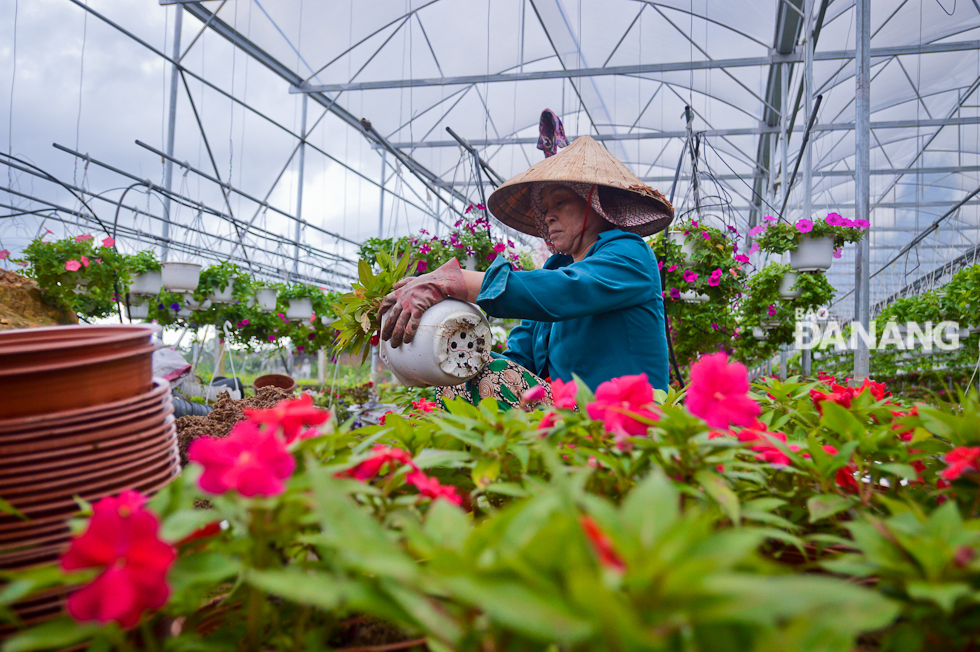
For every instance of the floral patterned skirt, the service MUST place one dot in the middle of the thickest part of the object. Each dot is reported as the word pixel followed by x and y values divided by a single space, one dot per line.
pixel 502 380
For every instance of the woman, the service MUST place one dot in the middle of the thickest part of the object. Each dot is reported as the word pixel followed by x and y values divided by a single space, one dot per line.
pixel 596 308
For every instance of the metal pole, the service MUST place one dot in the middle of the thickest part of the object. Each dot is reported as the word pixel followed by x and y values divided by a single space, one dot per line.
pixel 808 107
pixel 168 165
pixel 299 191
pixel 375 358
pixel 862 186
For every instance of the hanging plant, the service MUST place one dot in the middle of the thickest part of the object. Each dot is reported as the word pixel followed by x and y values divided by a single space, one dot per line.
pixel 779 236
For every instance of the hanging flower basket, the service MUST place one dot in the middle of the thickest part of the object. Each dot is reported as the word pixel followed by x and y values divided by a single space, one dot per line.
pixel 193 304
pixel 452 345
pixel 180 277
pixel 758 333
pixel 687 248
pixel 299 309
pixel 786 291
pixel 813 254
pixel 146 284
pixel 265 298
pixel 138 310
pixel 694 297
pixel 224 295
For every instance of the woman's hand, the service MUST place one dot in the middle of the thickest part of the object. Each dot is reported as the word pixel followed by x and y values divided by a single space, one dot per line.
pixel 413 296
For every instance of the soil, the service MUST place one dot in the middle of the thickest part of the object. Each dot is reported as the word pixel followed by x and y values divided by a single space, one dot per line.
pixel 227 412
pixel 21 305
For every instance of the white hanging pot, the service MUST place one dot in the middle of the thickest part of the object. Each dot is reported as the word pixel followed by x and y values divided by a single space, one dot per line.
pixel 146 284
pixel 185 312
pixel 191 303
pixel 138 310
pixel 180 277
pixel 299 309
pixel 694 297
pixel 785 286
pixel 452 345
pixel 758 333
pixel 326 320
pixel 813 254
pixel 224 295
pixel 470 263
pixel 266 299
pixel 771 323
pixel 687 248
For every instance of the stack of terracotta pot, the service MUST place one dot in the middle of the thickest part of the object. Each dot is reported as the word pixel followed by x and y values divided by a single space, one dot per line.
pixel 80 416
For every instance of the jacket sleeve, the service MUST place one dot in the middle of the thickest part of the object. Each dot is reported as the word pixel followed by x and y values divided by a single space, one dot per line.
pixel 619 274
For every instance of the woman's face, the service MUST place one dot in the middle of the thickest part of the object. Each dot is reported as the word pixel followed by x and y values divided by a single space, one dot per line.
pixel 564 214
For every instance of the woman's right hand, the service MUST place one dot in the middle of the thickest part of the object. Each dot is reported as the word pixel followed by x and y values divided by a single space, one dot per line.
pixel 413 296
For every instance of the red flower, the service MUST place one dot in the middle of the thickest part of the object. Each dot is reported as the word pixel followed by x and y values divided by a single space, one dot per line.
pixel 121 539
pixel 249 460
pixel 618 402
pixel 765 449
pixel 431 488
pixel 424 405
pixel 205 532
pixel 841 396
pixel 563 394
pixel 845 478
pixel 375 339
pixel 960 459
pixel 370 467
pixel 719 392
pixel 601 545
pixel 548 421
pixel 877 389
pixel 291 416
pixel 534 395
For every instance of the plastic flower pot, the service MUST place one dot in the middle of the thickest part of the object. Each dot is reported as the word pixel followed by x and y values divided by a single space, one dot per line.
pixel 224 295
pixel 769 324
pixel 470 263
pixel 185 313
pixel 687 249
pixel 326 320
pixel 758 333
pixel 266 298
pixel 452 345
pixel 138 310
pixel 146 284
pixel 785 286
pixel 180 277
pixel 813 254
pixel 694 297
pixel 190 303
pixel 274 380
pixel 299 309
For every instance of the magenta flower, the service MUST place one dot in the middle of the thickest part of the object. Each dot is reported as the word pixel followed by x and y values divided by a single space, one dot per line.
pixel 770 218
pixel 272 338
pixel 741 258
pixel 5 253
pixel 756 230
pixel 671 268
pixel 499 247
pixel 754 248
pixel 804 225
pixel 660 263
pixel 108 242
pixel 620 404
pixel 675 293
pixel 837 252
pixel 425 248
pixel 83 238
pixel 249 460
pixel 422 266
pixel 73 265
pixel 84 260
pixel 861 224
pixel 834 219
pixel 719 392
pixel 846 222
pixel 772 310
pixel 705 235
pixel 714 281
pixel 689 276
pixel 534 395
pixel 563 394
pixel 244 322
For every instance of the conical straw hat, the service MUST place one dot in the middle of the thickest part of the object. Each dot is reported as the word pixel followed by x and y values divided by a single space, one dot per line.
pixel 631 204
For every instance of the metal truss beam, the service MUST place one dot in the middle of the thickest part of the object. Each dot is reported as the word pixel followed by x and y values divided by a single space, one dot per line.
pixel 747 131
pixel 930 279
pixel 574 73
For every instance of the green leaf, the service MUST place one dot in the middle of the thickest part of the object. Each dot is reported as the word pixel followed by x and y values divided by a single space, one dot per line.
pixel 945 595
pixel 485 472
pixel 903 471
pixel 826 505
pixel 433 457
pixel 840 420
pixel 446 525
pixel 7 508
pixel 718 488
pixel 55 634
pixel 202 568
pixel 651 507
pixel 497 365
pixel 185 522
pixel 312 588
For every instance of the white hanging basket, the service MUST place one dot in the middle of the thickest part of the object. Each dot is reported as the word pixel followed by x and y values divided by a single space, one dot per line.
pixel 193 304
pixel 785 287
pixel 694 297
pixel 180 277
pixel 224 295
pixel 470 263
pixel 326 320
pixel 452 345
pixel 146 284
pixel 687 248
pixel 266 299
pixel 138 310
pixel 299 309
pixel 185 313
pixel 813 254
pixel 758 333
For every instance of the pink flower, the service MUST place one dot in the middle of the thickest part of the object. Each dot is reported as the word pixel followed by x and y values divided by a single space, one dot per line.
pixel 770 218
pixel 705 235
pixel 804 225
pixel 499 247
pixel 4 254
pixel 672 268
pixel 689 276
pixel 741 258
pixel 960 460
pixel 121 539
pixel 719 392
pixel 834 219
pixel 837 252
pixel 48 231
pixel 548 421
pixel 83 238
pixel 272 338
pixel 23 263
pixel 424 405
pixel 714 281
pixel 370 467
pixel 618 404
pixel 534 395
pixel 84 260
pixel 73 265
pixel 861 224
pixel 292 416
pixel 675 294
pixel 846 222
pixel 108 242
pixel 754 248
pixel 756 230
pixel 563 394
pixel 421 266
pixel 601 545
pixel 771 311
pixel 251 461
pixel 425 248
pixel 430 487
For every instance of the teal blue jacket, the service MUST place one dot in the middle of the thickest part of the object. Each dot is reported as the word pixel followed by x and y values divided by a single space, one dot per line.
pixel 599 318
